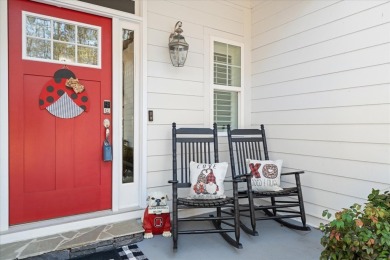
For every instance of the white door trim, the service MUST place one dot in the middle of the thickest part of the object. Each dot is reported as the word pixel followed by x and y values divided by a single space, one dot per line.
pixel 119 202
pixel 4 168
pixel 9 236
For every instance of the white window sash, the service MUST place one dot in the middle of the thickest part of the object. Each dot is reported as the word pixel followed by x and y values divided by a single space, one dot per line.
pixel 227 88
pixel 233 89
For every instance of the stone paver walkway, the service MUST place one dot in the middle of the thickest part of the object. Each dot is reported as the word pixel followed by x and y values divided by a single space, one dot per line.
pixel 75 243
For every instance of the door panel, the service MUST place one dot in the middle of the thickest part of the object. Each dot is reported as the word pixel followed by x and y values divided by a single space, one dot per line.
pixel 87 161
pixel 39 168
pixel 56 166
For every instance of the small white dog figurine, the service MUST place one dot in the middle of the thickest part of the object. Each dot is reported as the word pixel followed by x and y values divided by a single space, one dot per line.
pixel 156 217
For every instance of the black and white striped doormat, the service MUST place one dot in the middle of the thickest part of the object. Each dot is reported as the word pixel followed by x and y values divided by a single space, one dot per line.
pixel 131 252
pixel 125 252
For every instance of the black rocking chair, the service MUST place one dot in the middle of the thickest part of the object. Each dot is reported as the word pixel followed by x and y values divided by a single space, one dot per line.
pixel 251 144
pixel 200 145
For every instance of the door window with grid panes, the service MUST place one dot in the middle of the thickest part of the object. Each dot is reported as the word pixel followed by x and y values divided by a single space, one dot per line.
pixel 51 39
pixel 227 75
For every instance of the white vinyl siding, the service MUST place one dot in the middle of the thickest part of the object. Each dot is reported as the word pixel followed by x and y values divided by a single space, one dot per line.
pixel 321 86
pixel 183 95
pixel 320 83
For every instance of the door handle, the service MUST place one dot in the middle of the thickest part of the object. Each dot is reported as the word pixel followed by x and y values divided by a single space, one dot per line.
pixel 107 148
pixel 107 133
pixel 106 124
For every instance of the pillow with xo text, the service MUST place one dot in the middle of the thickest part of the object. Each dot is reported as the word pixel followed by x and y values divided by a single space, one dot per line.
pixel 265 174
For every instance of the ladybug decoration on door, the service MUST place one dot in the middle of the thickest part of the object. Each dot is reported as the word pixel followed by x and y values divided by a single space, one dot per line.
pixel 64 96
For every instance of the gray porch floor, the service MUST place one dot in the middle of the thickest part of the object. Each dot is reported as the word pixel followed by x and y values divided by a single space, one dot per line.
pixel 274 242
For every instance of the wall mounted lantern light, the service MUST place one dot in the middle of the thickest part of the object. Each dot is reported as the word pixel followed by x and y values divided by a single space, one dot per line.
pixel 178 47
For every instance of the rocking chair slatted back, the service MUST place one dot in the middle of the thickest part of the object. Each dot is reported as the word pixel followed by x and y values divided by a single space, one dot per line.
pixel 246 143
pixel 187 147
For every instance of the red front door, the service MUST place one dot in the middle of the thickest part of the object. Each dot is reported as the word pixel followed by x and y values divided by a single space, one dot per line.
pixel 56 166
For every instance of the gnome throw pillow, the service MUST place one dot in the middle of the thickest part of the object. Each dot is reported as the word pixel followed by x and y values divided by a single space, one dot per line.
pixel 207 180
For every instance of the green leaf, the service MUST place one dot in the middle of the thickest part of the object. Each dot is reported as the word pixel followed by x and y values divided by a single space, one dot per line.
pixel 324 213
pixel 339 224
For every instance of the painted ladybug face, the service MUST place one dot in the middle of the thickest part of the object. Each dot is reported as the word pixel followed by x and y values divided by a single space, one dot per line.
pixel 62 101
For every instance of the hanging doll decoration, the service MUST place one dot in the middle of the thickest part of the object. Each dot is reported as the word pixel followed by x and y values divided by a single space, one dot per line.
pixel 64 96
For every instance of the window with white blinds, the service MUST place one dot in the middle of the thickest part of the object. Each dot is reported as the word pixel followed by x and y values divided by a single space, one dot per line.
pixel 225 109
pixel 226 84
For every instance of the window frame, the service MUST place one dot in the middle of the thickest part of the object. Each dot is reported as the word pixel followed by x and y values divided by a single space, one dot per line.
pixel 239 90
pixel 52 18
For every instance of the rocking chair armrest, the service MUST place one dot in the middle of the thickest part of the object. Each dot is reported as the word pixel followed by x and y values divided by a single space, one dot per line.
pixel 243 177
pixel 291 173
pixel 173 181
pixel 233 180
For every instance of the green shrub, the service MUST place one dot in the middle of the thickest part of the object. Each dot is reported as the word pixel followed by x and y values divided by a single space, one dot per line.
pixel 359 233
